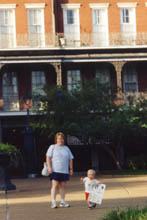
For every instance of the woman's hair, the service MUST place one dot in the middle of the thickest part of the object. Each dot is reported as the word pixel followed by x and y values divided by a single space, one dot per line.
pixel 91 172
pixel 59 134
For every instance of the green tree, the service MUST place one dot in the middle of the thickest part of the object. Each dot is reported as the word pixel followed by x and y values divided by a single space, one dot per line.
pixel 89 113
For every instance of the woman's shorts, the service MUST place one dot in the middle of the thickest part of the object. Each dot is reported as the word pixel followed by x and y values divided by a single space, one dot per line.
pixel 60 177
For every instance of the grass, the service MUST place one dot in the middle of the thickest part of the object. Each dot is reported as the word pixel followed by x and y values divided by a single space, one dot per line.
pixel 124 172
pixel 128 214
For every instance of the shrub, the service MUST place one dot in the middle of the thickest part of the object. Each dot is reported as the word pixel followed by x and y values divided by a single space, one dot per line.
pixel 13 153
pixel 137 162
pixel 128 214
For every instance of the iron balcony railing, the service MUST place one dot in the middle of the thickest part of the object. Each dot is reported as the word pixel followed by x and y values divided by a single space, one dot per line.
pixel 13 104
pixel 72 40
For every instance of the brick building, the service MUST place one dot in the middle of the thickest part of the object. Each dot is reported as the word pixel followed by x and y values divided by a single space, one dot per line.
pixel 64 42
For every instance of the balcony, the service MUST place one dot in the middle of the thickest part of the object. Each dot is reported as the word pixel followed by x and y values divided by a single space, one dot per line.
pixel 69 41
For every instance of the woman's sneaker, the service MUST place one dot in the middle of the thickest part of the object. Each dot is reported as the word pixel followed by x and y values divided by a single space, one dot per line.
pixel 54 205
pixel 64 204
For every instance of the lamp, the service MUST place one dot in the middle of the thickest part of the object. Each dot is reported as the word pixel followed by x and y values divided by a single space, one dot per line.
pixel 27 101
pixel 29 142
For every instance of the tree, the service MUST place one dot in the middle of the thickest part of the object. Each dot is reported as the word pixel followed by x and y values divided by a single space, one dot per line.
pixel 89 113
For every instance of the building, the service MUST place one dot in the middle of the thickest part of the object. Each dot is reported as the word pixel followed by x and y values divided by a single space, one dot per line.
pixel 64 42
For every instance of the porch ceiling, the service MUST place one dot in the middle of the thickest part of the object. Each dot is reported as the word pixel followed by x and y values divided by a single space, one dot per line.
pixel 73 55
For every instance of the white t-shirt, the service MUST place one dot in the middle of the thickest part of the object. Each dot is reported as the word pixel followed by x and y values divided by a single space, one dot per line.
pixel 60 157
pixel 88 182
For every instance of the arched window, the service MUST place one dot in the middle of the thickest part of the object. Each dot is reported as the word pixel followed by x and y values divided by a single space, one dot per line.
pixel 10 91
pixel 74 80
pixel 38 83
pixel 130 80
pixel 103 74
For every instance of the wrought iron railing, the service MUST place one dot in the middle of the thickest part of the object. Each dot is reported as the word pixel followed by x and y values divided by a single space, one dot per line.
pixel 71 40
pixel 12 104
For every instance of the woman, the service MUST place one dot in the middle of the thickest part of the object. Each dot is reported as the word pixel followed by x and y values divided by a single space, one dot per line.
pixel 60 165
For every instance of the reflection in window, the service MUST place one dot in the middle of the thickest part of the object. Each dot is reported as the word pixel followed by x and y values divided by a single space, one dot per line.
pixel 38 84
pixel 103 75
pixel 73 79
pixel 10 91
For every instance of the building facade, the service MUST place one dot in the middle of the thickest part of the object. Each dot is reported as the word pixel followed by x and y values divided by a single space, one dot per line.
pixel 64 42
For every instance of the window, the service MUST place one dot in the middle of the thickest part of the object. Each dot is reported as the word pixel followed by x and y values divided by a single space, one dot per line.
pixel 128 22
pixel 103 75
pixel 10 91
pixel 130 81
pixel 96 16
pixel 71 24
pixel 100 23
pixel 70 17
pixel 7 26
pixel 73 79
pixel 125 16
pixel 36 24
pixel 38 82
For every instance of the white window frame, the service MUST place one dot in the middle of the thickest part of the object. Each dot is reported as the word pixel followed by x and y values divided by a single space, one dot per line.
pixel 72 39
pixel 73 84
pixel 40 6
pixel 129 37
pixel 101 6
pixel 11 7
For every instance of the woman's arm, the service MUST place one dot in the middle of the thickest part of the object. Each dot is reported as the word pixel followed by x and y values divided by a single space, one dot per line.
pixel 71 167
pixel 48 160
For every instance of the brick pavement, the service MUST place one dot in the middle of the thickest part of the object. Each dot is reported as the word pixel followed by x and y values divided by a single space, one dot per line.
pixel 31 200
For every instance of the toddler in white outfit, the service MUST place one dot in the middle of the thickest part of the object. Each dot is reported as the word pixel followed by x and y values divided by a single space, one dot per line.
pixel 88 182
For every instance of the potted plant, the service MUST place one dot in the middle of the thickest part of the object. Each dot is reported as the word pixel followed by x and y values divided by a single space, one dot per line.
pixel 9 156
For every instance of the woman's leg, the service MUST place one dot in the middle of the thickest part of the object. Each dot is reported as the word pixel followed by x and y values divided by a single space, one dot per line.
pixel 54 189
pixel 62 190
pixel 62 193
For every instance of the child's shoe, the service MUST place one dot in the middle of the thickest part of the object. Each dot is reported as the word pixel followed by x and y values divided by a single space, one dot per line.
pixel 94 205
pixel 90 206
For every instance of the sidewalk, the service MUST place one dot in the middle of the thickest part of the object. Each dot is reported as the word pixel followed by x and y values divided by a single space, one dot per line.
pixel 31 200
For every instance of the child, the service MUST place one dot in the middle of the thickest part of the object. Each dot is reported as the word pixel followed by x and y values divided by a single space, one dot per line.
pixel 89 181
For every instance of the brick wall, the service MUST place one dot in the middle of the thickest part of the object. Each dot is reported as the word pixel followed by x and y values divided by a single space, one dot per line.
pixel 85 14
pixel 21 14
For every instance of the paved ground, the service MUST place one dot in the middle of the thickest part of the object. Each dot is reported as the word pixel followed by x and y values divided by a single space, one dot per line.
pixel 31 200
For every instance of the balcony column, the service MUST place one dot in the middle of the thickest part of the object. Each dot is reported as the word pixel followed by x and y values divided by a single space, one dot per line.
pixel 58 69
pixel 118 65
